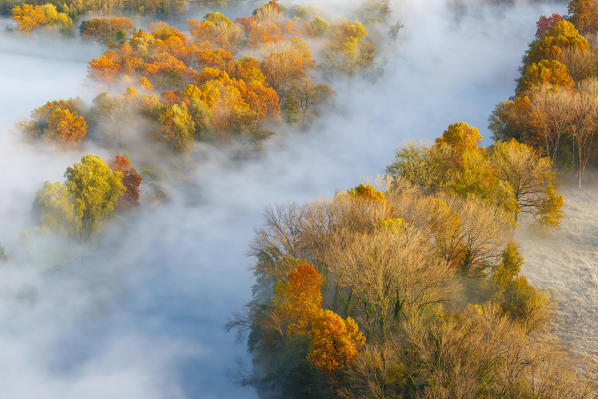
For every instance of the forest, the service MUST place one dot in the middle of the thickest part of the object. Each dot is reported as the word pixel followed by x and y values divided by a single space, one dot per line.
pixel 209 204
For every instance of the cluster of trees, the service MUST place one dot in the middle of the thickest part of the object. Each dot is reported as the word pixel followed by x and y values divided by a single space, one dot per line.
pixel 244 94
pixel 224 80
pixel 555 108
pixel 92 193
pixel 510 175
pixel 198 86
pixel 30 17
pixel 110 30
pixel 422 279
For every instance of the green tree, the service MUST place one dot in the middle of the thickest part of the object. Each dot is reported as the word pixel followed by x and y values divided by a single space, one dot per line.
pixel 95 188
pixel 88 197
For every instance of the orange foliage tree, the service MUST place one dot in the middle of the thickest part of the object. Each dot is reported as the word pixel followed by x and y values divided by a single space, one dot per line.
pixel 130 179
pixel 58 121
pixel 65 126
pixel 335 342
pixel 545 24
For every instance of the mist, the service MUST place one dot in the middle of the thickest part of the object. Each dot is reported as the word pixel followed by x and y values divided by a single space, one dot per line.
pixel 142 313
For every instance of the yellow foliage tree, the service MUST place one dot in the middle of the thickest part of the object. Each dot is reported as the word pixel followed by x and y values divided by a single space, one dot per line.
pixel 461 137
pixel 88 197
pixel 544 72
pixel 563 36
pixel 29 17
pixel 366 192
pixel 65 126
pixel 335 342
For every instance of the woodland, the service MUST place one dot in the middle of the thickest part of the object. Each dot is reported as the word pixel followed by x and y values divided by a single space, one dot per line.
pixel 409 285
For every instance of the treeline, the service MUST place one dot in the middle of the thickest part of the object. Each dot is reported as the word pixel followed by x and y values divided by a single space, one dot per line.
pixel 412 290
pixel 555 107
pixel 76 8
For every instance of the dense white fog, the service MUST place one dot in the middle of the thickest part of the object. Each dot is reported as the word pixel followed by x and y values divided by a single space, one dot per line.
pixel 142 314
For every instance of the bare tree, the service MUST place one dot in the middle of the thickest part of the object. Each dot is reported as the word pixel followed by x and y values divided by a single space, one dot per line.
pixel 524 170
pixel 551 106
pixel 584 122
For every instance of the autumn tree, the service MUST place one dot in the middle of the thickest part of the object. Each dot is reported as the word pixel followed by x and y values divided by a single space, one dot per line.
pixel 335 342
pixel 584 122
pixel 58 122
pixel 584 14
pixel 298 301
pixel 65 126
pixel 429 167
pixel 514 118
pixel 366 192
pixel 297 310
pixel 57 210
pixel 516 296
pixel 545 24
pixel 285 69
pixel 176 127
pixel 105 67
pixel 130 180
pixel 348 50
pixel 461 137
pixel 551 108
pixel 95 190
pixel 527 173
pixel 563 35
pixel 217 31
pixel 86 199
pixel 542 73
pixel 30 17
pixel 113 29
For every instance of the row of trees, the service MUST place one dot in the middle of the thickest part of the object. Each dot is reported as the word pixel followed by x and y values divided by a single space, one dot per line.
pixel 422 279
pixel 555 106
pixel 75 8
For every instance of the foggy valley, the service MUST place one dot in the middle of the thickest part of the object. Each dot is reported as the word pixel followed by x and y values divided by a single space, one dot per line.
pixel 139 311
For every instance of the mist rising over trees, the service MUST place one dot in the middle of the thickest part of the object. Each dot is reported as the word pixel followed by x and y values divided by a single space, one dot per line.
pixel 148 181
